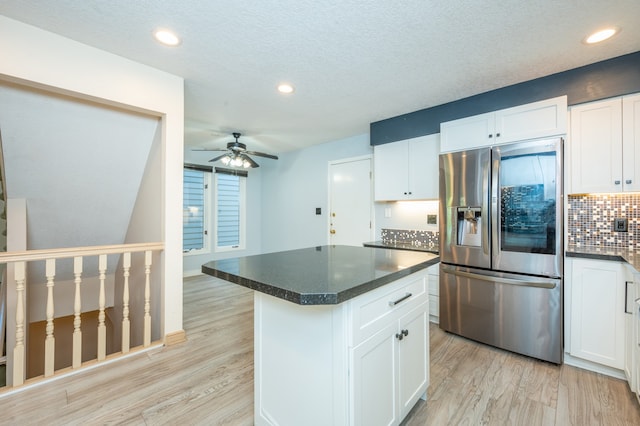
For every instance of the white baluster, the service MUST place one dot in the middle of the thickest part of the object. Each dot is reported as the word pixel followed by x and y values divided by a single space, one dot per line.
pixel 18 350
pixel 77 309
pixel 126 326
pixel 147 297
pixel 50 341
pixel 102 329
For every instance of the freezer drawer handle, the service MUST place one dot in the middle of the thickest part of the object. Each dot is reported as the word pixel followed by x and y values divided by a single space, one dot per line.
pixel 405 297
pixel 538 284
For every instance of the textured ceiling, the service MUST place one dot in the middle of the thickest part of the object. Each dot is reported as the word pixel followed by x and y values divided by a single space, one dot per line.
pixel 352 61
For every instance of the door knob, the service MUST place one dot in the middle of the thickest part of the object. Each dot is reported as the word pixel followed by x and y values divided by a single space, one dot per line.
pixel 333 231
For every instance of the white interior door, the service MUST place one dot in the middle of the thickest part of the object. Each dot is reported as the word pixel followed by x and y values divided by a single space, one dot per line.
pixel 350 202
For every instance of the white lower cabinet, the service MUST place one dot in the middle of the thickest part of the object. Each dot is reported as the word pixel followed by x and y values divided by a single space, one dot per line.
pixel 362 362
pixel 630 331
pixel 598 319
pixel 413 358
pixel 374 379
pixel 391 370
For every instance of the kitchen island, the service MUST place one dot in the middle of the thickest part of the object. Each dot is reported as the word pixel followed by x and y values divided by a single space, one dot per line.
pixel 341 335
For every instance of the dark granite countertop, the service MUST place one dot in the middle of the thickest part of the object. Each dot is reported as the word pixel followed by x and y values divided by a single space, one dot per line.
pixel 632 257
pixel 323 275
pixel 402 246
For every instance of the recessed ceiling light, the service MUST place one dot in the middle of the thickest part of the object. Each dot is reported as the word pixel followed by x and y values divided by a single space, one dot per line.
pixel 601 35
pixel 285 88
pixel 166 37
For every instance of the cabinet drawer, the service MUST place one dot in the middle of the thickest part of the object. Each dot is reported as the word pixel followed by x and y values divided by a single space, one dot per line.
pixel 374 310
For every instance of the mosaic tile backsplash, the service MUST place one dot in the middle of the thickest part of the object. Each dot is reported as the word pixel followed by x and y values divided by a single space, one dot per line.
pixel 590 220
pixel 414 237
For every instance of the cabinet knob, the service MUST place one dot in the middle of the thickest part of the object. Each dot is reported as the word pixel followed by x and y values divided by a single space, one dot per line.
pixel 628 181
pixel 405 332
pixel 405 193
pixel 399 336
pixel 490 136
pixel 616 182
pixel 497 135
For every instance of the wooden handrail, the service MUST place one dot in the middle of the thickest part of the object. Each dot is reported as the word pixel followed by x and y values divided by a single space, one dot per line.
pixel 59 253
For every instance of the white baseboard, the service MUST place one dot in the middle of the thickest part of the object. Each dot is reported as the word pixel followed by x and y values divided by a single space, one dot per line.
pixel 593 366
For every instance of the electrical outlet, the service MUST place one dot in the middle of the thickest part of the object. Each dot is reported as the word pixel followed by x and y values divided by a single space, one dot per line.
pixel 620 225
pixel 432 219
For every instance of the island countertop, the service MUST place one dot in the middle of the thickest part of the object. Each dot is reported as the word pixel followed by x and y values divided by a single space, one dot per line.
pixel 323 275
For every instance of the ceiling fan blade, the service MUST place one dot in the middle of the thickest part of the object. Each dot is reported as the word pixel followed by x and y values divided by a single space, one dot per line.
pixel 247 158
pixel 217 158
pixel 262 154
pixel 208 149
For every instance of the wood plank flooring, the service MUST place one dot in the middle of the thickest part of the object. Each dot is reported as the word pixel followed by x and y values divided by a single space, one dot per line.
pixel 208 380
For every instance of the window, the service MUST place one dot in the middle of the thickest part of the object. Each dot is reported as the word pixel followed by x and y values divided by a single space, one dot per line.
pixel 230 210
pixel 195 209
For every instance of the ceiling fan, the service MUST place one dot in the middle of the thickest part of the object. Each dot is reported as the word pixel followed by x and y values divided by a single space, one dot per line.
pixel 237 154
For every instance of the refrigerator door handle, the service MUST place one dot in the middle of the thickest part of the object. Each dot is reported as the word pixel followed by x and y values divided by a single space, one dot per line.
pixel 525 283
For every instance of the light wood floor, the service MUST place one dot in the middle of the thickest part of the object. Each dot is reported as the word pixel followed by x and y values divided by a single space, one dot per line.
pixel 209 381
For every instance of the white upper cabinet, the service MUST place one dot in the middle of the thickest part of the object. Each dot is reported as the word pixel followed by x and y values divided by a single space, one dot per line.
pixel 529 121
pixel 604 146
pixel 631 142
pixel 407 170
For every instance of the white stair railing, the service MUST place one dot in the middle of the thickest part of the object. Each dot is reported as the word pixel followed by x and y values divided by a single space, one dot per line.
pixel 20 261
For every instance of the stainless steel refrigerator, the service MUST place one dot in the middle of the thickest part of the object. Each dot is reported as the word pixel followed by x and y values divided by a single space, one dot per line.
pixel 501 246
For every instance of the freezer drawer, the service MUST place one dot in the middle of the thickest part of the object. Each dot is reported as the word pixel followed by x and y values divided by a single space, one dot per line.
pixel 518 313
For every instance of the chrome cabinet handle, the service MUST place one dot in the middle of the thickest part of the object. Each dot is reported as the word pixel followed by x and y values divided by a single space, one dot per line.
pixel 403 298
pixel 626 295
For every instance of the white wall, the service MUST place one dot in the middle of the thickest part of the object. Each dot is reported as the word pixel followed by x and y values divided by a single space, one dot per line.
pixel 410 215
pixel 292 188
pixel 46 61
pixel 193 263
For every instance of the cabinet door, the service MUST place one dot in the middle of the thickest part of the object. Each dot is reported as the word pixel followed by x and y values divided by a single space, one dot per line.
pixel 629 334
pixel 631 142
pixel 467 133
pixel 373 379
pixel 423 167
pixel 597 312
pixel 391 179
pixel 595 147
pixel 413 358
pixel 533 120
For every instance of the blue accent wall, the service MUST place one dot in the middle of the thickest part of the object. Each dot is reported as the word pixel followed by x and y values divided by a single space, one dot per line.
pixel 606 79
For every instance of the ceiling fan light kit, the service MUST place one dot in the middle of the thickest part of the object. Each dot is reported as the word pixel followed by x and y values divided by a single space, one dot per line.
pixel 237 154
